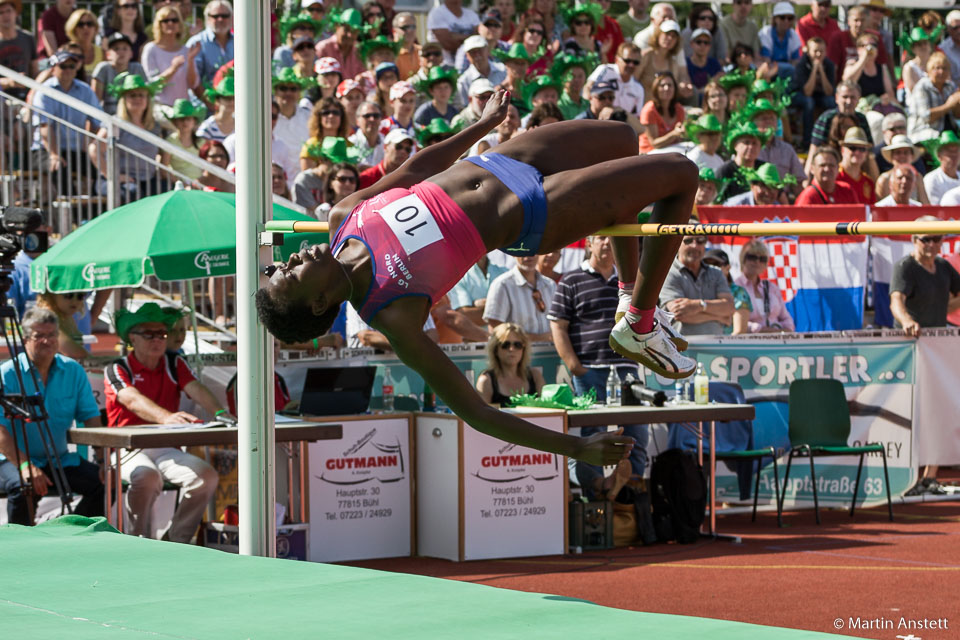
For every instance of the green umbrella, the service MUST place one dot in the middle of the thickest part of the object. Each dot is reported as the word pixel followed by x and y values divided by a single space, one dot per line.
pixel 177 235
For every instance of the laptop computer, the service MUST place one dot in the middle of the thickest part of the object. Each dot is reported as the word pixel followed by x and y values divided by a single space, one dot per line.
pixel 337 391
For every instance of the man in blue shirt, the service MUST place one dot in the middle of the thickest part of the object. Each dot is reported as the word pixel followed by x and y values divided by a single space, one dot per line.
pixel 216 45
pixel 67 398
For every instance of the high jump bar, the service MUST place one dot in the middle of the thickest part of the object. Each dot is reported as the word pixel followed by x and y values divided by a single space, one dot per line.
pixel 909 227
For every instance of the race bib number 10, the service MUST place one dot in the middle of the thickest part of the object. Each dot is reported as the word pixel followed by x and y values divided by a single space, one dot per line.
pixel 412 223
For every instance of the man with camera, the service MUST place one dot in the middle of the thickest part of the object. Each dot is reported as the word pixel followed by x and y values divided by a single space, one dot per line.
pixel 67 398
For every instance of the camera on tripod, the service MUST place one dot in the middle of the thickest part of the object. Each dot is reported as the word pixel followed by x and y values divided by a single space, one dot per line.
pixel 19 230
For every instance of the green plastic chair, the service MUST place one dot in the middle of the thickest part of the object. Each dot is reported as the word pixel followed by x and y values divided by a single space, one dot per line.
pixel 820 426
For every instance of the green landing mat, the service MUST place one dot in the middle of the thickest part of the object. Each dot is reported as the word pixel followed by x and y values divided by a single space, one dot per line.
pixel 76 577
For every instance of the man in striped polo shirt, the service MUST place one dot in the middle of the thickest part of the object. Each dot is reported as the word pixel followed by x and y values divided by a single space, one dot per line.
pixel 581 314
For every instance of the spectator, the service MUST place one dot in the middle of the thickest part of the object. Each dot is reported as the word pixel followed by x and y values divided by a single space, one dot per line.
pixel 818 24
pixel 583 21
pixel 71 312
pixel 950 199
pixel 663 116
pixel 744 141
pixel 308 186
pixel 923 289
pixel 847 95
pixel 294 117
pixel 765 115
pixel 703 17
pixel 128 20
pixel 305 68
pixel 58 146
pixel 946 149
pixel 480 92
pixel 546 12
pixel 573 70
pixel 508 371
pixel 184 116
pixel 368 140
pixel 769 314
pixel 118 61
pixel 581 313
pixel 167 57
pixel 521 296
pixel 481 66
pixel 292 29
pixel 901 151
pixel 664 56
pixel 873 80
pixel 739 28
pixel 854 153
pixel 919 44
pixel 659 13
pixel 405 32
pixel 138 178
pixel 608 32
pixel 708 187
pixel 327 120
pixel 216 44
pixel 715 100
pixel 469 296
pixel 374 16
pixel 508 12
pixel 329 77
pixel 278 182
pixel 437 131
pixel 516 60
pixel 779 42
pixel 81 29
pixel 18 50
pixel 360 334
pixel 216 154
pixel 503 132
pixel 842 46
pixel 67 398
pixel 877 10
pixel 343 180
pixel 547 263
pixel 533 39
pixel 634 19
pixel 901 185
pixel 379 55
pixel 431 55
pixel 543 89
pixel 737 85
pixel 701 67
pixel 450 24
pixel 350 94
pixel 742 306
pixel 144 387
pixel 398 145
pixel 281 154
pixel 52 27
pixel 491 30
pixel 543 115
pixel 812 85
pixel 602 94
pixel 892 124
pixel 766 187
pixel 439 84
pixel 950 45
pixel 695 293
pixel 824 189
pixel 222 123
pixel 934 103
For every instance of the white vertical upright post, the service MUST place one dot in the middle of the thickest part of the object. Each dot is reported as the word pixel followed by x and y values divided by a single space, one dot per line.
pixel 254 350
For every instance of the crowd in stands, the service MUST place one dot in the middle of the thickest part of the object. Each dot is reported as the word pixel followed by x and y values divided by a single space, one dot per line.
pixel 773 109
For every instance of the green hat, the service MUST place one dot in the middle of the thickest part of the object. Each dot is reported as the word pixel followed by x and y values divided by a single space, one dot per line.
pixel 126 82
pixel 437 127
pixel 287 76
pixel 350 18
pixel 287 24
pixel 367 47
pixel 223 90
pixel 767 174
pixel 778 87
pixel 591 9
pixel 516 52
pixel 736 79
pixel 333 149
pixel 565 60
pixel 742 129
pixel 125 320
pixel 934 145
pixel 917 34
pixel 183 108
pixel 707 123
pixel 759 106
pixel 175 314
pixel 440 73
pixel 539 83
pixel 707 175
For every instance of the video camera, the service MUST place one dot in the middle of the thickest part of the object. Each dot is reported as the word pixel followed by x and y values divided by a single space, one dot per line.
pixel 18 230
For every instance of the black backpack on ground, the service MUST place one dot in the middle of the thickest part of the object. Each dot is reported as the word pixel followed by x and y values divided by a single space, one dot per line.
pixel 679 495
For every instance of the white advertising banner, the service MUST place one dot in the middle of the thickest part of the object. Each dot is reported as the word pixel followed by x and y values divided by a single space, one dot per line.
pixel 513 496
pixel 936 438
pixel 360 503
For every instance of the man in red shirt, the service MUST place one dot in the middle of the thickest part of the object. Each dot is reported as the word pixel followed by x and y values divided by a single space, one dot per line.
pixel 397 147
pixel 817 23
pixel 824 188
pixel 144 387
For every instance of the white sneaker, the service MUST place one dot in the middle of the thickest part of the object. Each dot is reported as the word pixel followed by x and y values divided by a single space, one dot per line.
pixel 653 350
pixel 664 318
pixel 624 297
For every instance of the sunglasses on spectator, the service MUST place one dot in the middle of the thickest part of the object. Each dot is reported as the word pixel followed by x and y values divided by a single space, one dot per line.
pixel 630 61
pixel 898 127
pixel 370 116
pixel 159 334
pixel 580 23
pixel 68 67
pixel 702 42
pixel 170 21
pixel 86 23
pixel 316 9
pixel 511 344
pixel 695 240
pixel 856 149
pixel 930 239
pixel 46 337
pixel 306 46
pixel 787 18
pixel 220 16
pixel 706 17
pixel 330 112
pixel 408 27
pixel 405 147
pixel 345 179
pixel 129 6
pixel 715 263
pixel 537 32
pixel 752 257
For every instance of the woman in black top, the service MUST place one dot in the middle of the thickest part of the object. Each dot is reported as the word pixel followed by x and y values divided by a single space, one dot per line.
pixel 508 356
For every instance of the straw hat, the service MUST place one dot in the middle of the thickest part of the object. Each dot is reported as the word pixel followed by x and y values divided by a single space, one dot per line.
pixel 901 142
pixel 877 4
pixel 855 137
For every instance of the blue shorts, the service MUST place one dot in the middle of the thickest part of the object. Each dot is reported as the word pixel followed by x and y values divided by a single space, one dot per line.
pixel 527 183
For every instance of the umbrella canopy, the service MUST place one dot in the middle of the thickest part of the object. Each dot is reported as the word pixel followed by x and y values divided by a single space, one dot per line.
pixel 177 235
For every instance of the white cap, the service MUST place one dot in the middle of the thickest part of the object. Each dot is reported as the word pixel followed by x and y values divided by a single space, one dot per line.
pixel 701 32
pixel 481 86
pixel 474 42
pixel 669 25
pixel 783 9
pixel 310 3
pixel 400 89
pixel 396 136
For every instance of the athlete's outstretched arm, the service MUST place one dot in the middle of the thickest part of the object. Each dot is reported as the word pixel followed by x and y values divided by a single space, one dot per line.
pixel 423 356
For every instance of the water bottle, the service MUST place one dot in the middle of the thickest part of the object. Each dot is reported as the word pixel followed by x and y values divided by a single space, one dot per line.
pixel 428 397
pixel 387 390
pixel 686 392
pixel 701 385
pixel 678 392
pixel 613 388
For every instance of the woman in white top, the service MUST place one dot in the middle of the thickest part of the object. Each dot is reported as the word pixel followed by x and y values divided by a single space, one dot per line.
pixel 769 313
pixel 167 57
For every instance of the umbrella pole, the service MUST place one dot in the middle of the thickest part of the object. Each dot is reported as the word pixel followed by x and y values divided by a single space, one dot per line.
pixel 193 323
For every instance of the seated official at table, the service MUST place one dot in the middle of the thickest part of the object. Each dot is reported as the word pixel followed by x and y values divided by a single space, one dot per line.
pixel 508 369
pixel 144 387
pixel 67 398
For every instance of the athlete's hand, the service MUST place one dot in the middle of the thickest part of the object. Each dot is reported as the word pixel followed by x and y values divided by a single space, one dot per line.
pixel 605 449
pixel 496 108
